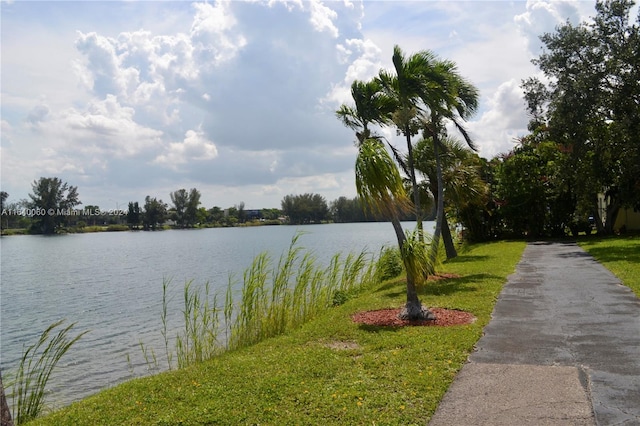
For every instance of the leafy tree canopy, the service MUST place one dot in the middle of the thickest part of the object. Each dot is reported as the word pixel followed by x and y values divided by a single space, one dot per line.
pixel 50 198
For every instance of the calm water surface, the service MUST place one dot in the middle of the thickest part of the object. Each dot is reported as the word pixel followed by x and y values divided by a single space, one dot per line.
pixel 111 285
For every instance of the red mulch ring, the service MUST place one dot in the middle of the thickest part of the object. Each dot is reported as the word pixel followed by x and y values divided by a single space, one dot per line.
pixel 389 318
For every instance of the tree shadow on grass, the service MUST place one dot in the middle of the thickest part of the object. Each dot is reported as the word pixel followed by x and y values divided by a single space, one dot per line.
pixel 442 287
pixel 378 328
pixel 447 286
pixel 468 258
pixel 616 254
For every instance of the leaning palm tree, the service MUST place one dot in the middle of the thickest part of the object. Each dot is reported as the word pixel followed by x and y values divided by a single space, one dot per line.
pixel 460 174
pixel 454 102
pixel 380 187
pixel 378 180
pixel 416 78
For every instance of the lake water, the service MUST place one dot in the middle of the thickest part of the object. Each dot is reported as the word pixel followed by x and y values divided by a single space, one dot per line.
pixel 111 285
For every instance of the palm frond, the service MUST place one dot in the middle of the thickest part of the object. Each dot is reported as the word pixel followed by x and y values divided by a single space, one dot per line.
pixel 378 182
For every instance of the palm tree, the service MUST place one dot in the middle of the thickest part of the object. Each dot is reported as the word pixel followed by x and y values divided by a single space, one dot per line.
pixel 460 174
pixel 380 187
pixel 378 180
pixel 454 102
pixel 372 106
pixel 416 78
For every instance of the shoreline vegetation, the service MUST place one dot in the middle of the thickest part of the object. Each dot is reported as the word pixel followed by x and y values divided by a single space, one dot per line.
pixel 123 228
pixel 327 370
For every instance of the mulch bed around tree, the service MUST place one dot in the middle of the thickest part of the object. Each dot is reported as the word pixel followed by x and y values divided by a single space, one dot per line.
pixel 390 318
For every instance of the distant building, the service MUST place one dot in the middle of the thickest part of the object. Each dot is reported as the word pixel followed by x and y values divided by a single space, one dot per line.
pixel 253 214
pixel 628 219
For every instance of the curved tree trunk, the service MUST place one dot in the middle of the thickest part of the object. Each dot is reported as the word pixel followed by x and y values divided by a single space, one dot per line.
pixel 413 309
pixel 447 239
pixel 435 242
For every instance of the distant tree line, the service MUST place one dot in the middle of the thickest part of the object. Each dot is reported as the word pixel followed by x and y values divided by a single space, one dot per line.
pixel 53 207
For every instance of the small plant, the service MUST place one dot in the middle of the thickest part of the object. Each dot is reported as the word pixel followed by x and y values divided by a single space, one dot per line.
pixel 149 357
pixel 389 264
pixel 165 334
pixel 416 256
pixel 340 297
pixel 36 365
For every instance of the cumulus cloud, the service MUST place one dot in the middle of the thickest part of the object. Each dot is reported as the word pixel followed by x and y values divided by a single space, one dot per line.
pixel 155 70
pixel 194 147
pixel 104 127
pixel 322 18
pixel 543 16
pixel 211 33
pixel 364 60
pixel 504 120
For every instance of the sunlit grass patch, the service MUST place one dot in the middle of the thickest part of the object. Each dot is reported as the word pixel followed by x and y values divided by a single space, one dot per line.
pixel 621 255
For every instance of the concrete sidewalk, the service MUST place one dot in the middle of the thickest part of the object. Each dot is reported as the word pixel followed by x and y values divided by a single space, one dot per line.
pixel 562 348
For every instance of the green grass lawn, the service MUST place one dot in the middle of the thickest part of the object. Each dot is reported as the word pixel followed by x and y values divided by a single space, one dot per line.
pixel 329 371
pixel 621 255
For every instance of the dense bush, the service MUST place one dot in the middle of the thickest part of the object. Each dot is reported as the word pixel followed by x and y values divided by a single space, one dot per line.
pixel 389 264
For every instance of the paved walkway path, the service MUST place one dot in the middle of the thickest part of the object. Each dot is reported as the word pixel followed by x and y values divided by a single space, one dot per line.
pixel 562 348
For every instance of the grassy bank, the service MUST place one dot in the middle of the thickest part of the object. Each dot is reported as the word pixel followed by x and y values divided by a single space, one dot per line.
pixel 621 255
pixel 329 371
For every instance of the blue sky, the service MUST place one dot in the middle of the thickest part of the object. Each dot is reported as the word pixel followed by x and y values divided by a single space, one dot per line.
pixel 235 98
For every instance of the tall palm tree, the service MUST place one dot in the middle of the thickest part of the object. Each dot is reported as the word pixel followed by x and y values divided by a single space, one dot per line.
pixel 380 187
pixel 378 180
pixel 454 102
pixel 416 78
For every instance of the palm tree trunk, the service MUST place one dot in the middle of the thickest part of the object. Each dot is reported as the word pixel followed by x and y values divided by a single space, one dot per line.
pixel 435 242
pixel 447 239
pixel 414 182
pixel 413 309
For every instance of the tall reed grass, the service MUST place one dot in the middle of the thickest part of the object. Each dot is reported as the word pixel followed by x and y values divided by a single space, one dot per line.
pixel 36 365
pixel 272 299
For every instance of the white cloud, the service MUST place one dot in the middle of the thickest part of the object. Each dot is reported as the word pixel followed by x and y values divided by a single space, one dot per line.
pixel 322 18
pixel 104 71
pixel 211 33
pixel 194 147
pixel 364 59
pixel 104 127
pixel 504 120
pixel 543 16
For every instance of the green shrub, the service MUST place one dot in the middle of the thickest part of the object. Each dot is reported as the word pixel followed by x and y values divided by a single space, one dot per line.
pixel 389 264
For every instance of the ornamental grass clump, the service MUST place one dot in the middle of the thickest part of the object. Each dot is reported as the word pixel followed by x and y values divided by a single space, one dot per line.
pixel 34 371
pixel 272 300
pixel 199 341
pixel 275 300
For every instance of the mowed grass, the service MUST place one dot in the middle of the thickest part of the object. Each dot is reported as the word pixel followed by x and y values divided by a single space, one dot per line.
pixel 621 255
pixel 328 371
